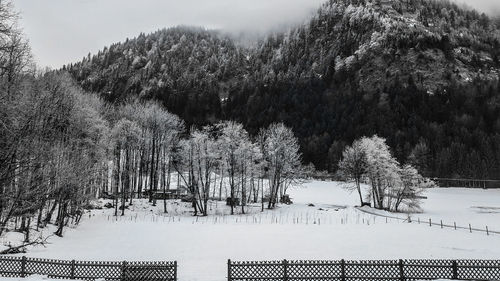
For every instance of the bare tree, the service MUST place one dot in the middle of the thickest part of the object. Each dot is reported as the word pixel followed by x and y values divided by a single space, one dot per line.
pixel 126 136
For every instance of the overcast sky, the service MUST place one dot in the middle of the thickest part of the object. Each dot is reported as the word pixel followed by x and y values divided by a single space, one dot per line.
pixel 63 31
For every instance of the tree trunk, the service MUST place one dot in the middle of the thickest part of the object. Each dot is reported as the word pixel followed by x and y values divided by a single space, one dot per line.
pixel 27 230
pixel 231 185
pixel 126 180
pixel 358 187
pixel 48 217
pixel 62 216
pixel 167 186
pixel 40 212
pixel 221 181
pixel 117 177
pixel 155 179
pixel 151 175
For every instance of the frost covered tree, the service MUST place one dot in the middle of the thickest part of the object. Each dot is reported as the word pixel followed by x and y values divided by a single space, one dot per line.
pixel 283 160
pixel 161 129
pixel 409 191
pixel 126 136
pixel 200 160
pixel 354 166
pixel 250 159
pixel 369 159
pixel 57 142
pixel 233 142
pixel 382 169
pixel 222 152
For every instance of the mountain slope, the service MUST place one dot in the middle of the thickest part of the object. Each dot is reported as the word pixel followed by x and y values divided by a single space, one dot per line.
pixel 422 73
pixel 185 68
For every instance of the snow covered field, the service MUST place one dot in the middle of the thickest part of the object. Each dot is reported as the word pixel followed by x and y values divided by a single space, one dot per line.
pixel 462 205
pixel 331 229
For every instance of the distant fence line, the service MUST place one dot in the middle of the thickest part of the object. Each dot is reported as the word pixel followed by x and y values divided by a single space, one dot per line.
pixel 440 223
pixel 342 270
pixel 468 183
pixel 88 270
pixel 441 182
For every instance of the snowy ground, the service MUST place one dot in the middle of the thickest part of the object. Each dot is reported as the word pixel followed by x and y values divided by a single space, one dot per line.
pixel 331 229
pixel 464 206
pixel 460 206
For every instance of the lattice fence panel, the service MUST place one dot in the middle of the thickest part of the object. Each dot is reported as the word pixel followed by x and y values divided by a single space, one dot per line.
pixel 149 272
pixel 314 270
pixel 90 270
pixel 51 268
pixel 428 269
pixel 259 271
pixel 365 270
pixel 479 269
pixel 380 270
pixel 10 266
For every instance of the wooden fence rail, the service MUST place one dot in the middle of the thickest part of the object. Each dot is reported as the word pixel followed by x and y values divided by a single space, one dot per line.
pixel 379 270
pixel 88 270
pixel 468 183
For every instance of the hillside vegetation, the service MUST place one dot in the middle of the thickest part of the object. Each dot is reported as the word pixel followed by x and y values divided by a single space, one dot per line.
pixel 423 74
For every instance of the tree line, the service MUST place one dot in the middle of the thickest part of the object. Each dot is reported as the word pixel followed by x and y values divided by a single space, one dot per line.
pixel 61 147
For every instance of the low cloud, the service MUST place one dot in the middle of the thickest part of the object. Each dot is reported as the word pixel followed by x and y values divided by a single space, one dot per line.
pixel 63 31
pixel 490 7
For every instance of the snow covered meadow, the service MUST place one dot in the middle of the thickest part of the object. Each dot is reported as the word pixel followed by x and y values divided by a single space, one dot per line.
pixel 321 224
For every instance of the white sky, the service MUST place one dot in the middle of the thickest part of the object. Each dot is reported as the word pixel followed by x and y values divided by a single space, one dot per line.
pixel 63 31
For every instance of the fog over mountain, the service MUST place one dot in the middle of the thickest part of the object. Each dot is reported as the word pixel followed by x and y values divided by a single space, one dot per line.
pixel 491 7
pixel 62 31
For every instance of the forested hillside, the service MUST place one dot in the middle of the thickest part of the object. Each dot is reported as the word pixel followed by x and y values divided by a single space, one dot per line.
pixel 423 74
pixel 186 68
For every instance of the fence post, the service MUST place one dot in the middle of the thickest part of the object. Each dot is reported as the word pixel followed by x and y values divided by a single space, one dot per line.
pixel 455 270
pixel 401 271
pixel 342 270
pixel 175 270
pixel 285 270
pixel 23 266
pixel 124 268
pixel 229 270
pixel 72 272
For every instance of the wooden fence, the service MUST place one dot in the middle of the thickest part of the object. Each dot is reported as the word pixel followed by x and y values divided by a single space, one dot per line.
pixel 468 183
pixel 364 270
pixel 88 270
